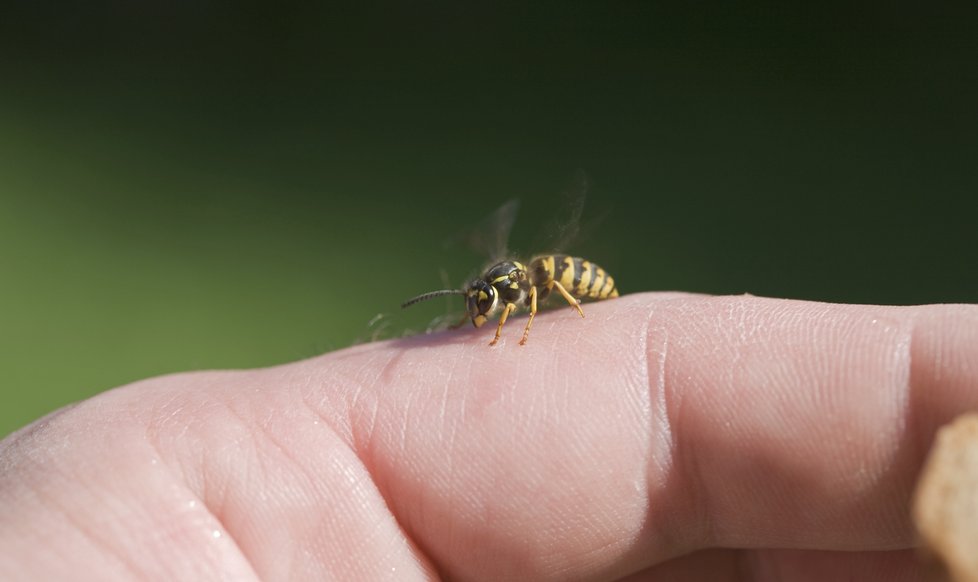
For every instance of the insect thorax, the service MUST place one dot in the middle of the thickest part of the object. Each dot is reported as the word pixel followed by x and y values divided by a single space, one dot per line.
pixel 510 280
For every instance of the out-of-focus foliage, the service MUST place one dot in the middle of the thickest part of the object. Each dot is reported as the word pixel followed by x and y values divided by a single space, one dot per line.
pixel 185 185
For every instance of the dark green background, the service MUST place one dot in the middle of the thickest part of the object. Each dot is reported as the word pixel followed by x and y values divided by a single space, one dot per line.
pixel 191 185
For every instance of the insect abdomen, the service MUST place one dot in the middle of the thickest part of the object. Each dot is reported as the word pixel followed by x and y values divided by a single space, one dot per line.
pixel 582 278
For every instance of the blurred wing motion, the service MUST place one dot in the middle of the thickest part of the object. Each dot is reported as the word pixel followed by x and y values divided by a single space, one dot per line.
pixel 565 227
pixel 490 238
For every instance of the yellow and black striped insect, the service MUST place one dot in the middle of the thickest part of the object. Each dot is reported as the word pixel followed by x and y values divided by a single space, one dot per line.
pixel 508 285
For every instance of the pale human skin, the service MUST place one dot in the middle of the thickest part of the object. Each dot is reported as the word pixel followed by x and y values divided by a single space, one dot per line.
pixel 664 437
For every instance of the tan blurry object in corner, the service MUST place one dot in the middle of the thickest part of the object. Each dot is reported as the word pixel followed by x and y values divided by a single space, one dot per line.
pixel 945 507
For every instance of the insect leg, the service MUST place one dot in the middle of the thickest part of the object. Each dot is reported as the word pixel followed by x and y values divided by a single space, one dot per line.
pixel 510 307
pixel 570 298
pixel 461 322
pixel 533 312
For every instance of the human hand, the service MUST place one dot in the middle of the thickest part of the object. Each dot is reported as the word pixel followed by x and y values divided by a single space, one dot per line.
pixel 665 437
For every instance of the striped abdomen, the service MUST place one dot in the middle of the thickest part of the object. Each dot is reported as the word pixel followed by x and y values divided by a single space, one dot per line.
pixel 582 278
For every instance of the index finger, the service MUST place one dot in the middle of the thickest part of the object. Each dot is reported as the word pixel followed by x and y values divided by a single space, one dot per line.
pixel 657 426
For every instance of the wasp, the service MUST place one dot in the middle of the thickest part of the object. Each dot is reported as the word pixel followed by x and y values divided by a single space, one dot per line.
pixel 509 285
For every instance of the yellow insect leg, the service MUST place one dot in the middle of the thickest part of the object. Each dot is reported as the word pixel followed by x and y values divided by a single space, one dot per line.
pixel 510 307
pixel 533 312
pixel 570 298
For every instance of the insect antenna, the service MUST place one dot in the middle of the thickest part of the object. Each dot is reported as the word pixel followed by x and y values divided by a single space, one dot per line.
pixel 431 295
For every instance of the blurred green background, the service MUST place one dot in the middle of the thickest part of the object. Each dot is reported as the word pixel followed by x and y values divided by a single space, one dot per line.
pixel 189 185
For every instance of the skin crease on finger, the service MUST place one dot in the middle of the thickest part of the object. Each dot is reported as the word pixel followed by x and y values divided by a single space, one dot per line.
pixel 660 425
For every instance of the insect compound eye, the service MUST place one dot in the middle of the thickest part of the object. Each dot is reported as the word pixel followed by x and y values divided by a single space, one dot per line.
pixel 486 299
pixel 480 298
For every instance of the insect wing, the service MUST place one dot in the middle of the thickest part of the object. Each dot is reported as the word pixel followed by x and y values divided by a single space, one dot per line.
pixel 490 238
pixel 564 229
